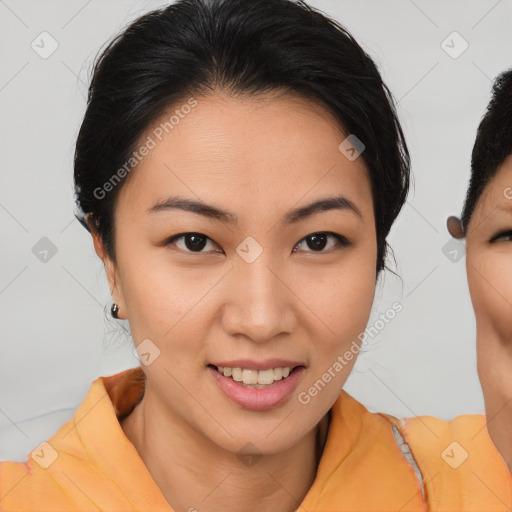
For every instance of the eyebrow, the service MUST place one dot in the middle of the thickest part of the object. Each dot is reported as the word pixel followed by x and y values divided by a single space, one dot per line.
pixel 293 216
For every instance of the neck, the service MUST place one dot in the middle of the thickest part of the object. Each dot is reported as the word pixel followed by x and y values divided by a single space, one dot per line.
pixel 194 473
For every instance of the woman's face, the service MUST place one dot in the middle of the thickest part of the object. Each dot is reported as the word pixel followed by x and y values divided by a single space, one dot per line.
pixel 252 287
pixel 489 268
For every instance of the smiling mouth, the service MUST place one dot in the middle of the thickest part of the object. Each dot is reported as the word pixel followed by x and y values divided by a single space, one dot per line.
pixel 256 379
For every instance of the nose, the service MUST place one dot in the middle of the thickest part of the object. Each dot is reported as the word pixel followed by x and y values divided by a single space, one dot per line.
pixel 260 304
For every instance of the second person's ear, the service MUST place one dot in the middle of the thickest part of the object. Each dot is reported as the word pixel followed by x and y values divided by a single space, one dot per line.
pixel 454 226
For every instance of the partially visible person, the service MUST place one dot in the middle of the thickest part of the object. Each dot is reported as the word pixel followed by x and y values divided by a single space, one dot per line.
pixel 486 227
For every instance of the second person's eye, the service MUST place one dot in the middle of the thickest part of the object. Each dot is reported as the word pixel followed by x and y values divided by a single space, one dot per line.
pixel 504 236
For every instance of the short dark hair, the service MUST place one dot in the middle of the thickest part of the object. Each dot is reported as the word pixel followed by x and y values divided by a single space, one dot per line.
pixel 493 143
pixel 245 47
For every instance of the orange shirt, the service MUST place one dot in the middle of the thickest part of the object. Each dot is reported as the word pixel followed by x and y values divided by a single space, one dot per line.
pixel 90 464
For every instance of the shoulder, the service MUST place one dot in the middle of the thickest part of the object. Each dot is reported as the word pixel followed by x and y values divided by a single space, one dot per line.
pixel 88 461
pixel 453 441
pixel 27 485
pixel 47 475
pixel 457 454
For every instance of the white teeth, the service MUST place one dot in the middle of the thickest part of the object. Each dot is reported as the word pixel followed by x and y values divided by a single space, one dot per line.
pixel 250 377
pixel 264 377
pixel 236 373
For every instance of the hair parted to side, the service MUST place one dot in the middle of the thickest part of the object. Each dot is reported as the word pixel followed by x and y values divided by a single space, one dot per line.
pixel 493 143
pixel 245 47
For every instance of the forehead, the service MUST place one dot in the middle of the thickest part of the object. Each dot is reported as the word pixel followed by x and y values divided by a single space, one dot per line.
pixel 494 204
pixel 252 152
pixel 498 192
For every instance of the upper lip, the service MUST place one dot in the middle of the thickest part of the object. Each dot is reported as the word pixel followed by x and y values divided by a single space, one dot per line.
pixel 258 365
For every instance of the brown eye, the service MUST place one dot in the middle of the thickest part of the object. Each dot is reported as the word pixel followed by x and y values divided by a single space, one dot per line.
pixel 318 241
pixel 192 242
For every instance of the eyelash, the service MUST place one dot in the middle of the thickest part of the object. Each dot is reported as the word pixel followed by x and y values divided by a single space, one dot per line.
pixel 342 241
pixel 503 234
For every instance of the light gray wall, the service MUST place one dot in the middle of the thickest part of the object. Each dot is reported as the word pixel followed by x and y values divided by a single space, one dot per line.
pixel 56 335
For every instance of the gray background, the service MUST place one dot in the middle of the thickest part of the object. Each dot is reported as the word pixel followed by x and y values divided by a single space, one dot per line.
pixel 55 331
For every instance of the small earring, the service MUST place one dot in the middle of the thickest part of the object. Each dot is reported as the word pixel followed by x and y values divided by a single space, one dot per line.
pixel 114 310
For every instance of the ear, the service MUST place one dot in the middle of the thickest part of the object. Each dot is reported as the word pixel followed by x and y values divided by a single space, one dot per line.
pixel 454 226
pixel 110 267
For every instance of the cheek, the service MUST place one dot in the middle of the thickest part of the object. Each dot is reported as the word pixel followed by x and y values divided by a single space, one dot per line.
pixel 161 298
pixel 490 285
pixel 348 300
pixel 341 300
